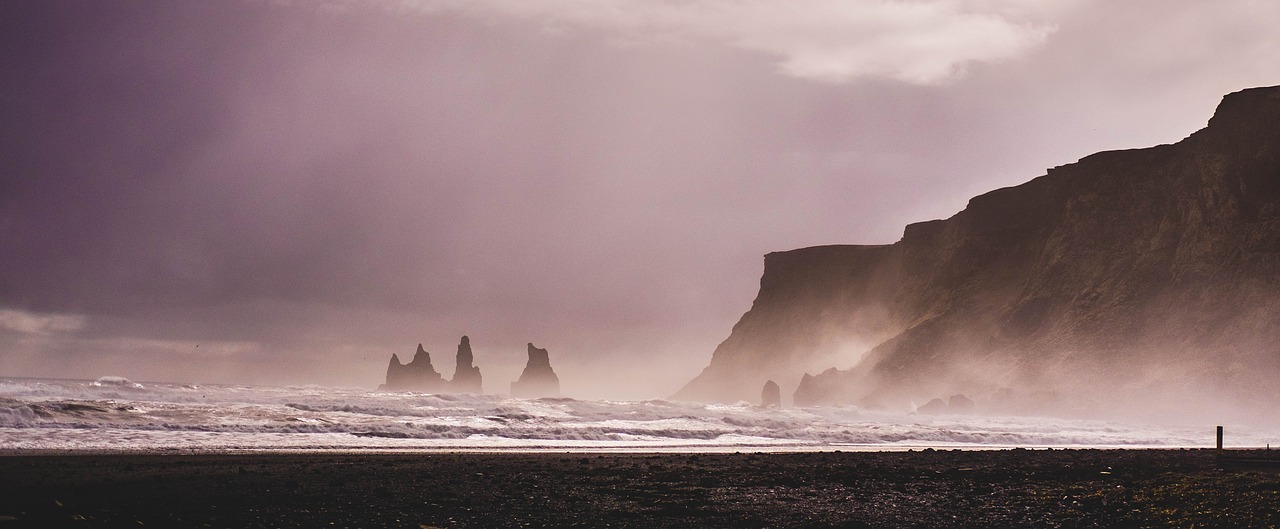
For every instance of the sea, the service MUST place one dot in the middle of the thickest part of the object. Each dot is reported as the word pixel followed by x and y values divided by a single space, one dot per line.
pixel 113 414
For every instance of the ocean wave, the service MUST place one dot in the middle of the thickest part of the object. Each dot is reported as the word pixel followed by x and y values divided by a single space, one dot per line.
pixel 53 414
pixel 116 382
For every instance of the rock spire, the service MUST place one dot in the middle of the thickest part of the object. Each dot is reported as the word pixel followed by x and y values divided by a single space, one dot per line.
pixel 538 379
pixel 417 375
pixel 466 376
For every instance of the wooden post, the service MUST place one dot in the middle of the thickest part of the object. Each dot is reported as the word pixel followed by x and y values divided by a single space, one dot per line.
pixel 1219 438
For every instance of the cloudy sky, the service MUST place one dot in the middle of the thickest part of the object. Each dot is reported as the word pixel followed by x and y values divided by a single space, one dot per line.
pixel 287 192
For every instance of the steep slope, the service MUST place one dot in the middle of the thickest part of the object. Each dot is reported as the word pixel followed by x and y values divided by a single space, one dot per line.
pixel 816 306
pixel 1142 274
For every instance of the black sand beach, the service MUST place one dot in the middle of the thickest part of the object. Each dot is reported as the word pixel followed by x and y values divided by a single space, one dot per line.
pixel 1009 488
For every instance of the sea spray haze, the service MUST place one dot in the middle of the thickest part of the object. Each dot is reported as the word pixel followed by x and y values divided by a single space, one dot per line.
pixel 266 192
pixel 116 414
pixel 1137 284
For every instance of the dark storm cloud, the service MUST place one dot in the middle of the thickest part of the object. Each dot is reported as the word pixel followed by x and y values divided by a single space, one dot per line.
pixel 301 189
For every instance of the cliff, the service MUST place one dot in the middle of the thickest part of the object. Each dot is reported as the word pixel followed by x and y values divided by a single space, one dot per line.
pixel 1144 274
pixel 537 379
pixel 816 307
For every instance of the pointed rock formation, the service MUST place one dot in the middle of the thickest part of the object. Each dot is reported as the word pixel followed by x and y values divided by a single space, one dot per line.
pixel 537 380
pixel 466 377
pixel 393 373
pixel 417 375
pixel 771 395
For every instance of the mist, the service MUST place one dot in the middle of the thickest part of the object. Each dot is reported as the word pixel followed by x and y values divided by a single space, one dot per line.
pixel 290 192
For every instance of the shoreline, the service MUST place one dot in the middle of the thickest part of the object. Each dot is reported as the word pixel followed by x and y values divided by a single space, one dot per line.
pixel 588 450
pixel 454 490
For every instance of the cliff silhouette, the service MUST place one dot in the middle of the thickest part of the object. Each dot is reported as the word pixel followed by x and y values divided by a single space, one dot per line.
pixel 1148 274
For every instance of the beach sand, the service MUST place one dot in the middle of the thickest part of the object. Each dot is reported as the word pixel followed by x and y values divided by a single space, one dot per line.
pixel 940 489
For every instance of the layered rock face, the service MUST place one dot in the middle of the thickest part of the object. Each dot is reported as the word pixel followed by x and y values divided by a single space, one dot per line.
pixel 466 377
pixel 817 307
pixel 417 375
pixel 537 379
pixel 1149 275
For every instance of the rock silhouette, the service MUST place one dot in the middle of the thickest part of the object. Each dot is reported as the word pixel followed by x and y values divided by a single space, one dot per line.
pixel 466 376
pixel 933 407
pixel 1144 276
pixel 417 375
pixel 961 405
pixel 771 395
pixel 537 379
pixel 956 405
pixel 420 375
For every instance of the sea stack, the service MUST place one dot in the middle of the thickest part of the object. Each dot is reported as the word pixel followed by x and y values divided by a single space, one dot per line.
pixel 771 395
pixel 417 375
pixel 466 376
pixel 537 380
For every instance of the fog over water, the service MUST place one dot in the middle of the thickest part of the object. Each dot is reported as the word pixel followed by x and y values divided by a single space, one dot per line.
pixel 287 193
pixel 113 413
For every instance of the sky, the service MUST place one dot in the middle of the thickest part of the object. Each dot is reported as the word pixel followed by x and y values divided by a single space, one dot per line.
pixel 289 191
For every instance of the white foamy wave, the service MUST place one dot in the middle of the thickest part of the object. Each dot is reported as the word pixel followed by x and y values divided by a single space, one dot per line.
pixel 116 414
pixel 116 382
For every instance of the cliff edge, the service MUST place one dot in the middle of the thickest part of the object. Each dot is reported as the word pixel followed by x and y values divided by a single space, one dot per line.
pixel 1145 274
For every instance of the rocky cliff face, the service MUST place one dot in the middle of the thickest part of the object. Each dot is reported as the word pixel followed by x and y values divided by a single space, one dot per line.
pixel 817 307
pixel 1146 274
pixel 537 379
